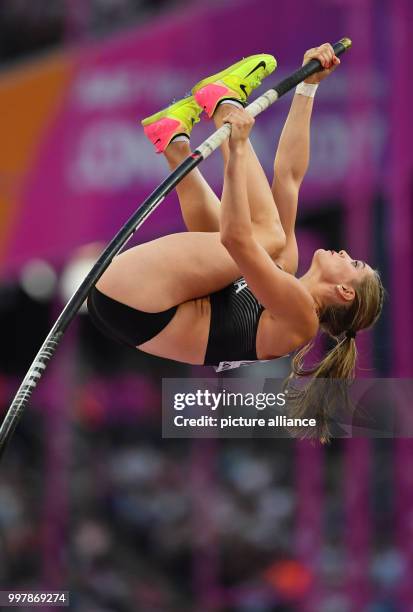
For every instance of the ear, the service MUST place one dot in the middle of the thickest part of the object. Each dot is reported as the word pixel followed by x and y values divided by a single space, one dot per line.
pixel 345 292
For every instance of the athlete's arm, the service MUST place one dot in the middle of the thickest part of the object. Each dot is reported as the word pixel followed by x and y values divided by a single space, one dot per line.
pixel 293 155
pixel 235 220
pixel 280 293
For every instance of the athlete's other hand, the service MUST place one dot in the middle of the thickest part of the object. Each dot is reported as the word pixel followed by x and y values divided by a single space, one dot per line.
pixel 326 56
pixel 241 125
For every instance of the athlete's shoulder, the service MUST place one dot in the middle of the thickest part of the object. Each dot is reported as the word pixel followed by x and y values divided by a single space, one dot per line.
pixel 281 335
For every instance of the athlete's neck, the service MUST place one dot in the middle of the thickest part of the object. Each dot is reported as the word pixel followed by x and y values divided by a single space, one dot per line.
pixel 319 290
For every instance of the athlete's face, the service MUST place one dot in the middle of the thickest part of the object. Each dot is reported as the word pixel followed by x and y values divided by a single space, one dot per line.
pixel 339 268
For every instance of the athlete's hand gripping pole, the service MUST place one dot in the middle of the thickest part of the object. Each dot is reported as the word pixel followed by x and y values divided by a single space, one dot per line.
pixel 49 346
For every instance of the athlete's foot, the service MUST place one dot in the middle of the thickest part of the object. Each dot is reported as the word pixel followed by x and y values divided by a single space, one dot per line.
pixel 234 83
pixel 176 120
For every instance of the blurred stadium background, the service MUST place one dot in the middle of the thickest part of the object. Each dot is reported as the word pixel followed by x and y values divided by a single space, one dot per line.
pixel 92 500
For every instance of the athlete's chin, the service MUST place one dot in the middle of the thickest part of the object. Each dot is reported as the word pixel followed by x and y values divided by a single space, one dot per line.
pixel 319 254
pixel 322 260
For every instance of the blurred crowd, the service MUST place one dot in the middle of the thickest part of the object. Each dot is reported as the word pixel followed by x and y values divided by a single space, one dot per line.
pixel 28 27
pixel 174 525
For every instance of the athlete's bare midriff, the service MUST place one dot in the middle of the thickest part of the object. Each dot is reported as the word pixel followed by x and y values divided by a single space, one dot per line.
pixel 185 338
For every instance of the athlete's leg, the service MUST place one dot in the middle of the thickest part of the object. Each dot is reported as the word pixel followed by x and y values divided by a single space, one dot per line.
pixel 236 83
pixel 260 196
pixel 199 204
pixel 173 269
pixel 168 271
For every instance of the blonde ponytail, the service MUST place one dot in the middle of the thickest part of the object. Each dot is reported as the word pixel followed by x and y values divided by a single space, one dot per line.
pixel 317 399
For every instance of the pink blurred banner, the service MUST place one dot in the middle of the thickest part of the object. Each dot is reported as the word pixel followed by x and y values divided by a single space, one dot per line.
pixel 90 166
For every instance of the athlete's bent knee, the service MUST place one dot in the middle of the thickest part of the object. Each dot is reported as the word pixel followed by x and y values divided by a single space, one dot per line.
pixel 273 241
pixel 279 242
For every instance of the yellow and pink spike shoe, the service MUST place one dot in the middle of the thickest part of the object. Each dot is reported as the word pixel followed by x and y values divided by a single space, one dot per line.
pixel 234 83
pixel 175 120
